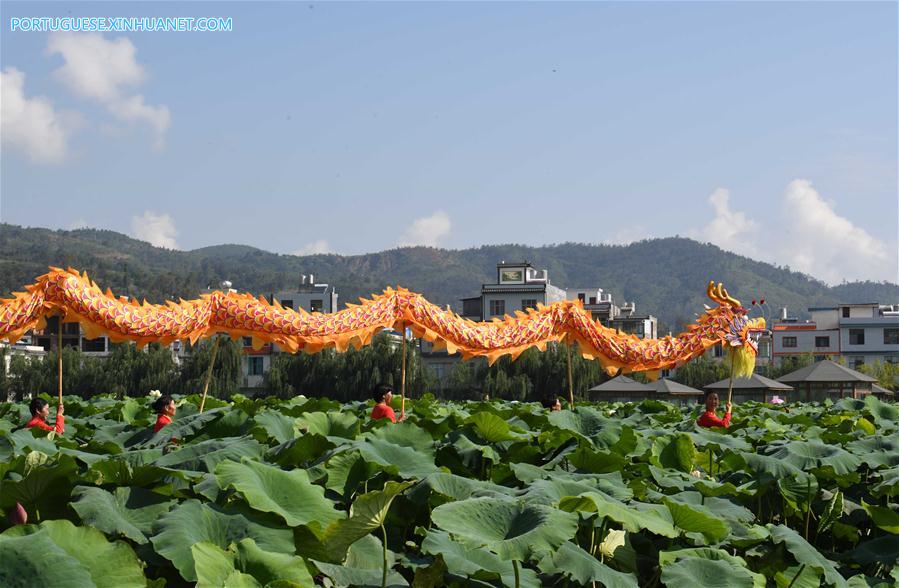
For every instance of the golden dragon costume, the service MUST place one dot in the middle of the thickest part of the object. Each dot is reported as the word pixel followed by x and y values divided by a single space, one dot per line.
pixel 75 297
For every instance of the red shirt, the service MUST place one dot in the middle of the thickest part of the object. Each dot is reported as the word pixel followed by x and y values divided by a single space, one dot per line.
pixel 39 422
pixel 710 419
pixel 382 411
pixel 161 421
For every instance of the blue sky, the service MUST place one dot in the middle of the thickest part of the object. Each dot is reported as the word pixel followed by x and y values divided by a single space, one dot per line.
pixel 768 129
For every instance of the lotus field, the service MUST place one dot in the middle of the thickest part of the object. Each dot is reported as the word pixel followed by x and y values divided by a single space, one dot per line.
pixel 309 492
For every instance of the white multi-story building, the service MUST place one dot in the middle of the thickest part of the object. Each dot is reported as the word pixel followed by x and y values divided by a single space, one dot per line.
pixel 861 333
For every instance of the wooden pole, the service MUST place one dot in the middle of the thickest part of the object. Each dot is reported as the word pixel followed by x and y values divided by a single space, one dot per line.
pixel 403 376
pixel 215 348
pixel 570 381
pixel 730 387
pixel 59 355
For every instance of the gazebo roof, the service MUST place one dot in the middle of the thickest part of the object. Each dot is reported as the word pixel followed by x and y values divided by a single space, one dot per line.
pixel 621 384
pixel 881 390
pixel 666 386
pixel 754 382
pixel 826 371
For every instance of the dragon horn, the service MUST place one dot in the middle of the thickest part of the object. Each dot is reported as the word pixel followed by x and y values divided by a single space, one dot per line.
pixel 710 291
pixel 733 301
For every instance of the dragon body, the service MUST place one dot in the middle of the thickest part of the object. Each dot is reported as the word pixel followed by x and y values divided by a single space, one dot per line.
pixel 77 299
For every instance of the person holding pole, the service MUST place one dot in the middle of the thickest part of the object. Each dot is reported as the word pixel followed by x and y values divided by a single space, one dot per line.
pixel 382 395
pixel 165 410
pixel 709 418
pixel 40 410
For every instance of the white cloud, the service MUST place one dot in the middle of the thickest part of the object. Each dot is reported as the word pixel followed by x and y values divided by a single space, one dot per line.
pixel 427 231
pixel 729 229
pixel 820 242
pixel 808 236
pixel 157 229
pixel 104 70
pixel 316 247
pixel 32 125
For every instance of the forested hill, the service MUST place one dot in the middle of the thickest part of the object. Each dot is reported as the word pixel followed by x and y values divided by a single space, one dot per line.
pixel 665 277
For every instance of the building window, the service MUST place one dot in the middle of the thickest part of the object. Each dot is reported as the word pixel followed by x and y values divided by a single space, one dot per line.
pixel 287 303
pixel 511 276
pixel 856 336
pixel 593 300
pixel 582 297
pixel 891 336
pixel 845 312
pixel 789 342
pixel 497 307
pixel 858 362
pixel 247 341
pixel 254 366
pixel 94 345
pixel 316 305
pixel 822 341
pixel 528 303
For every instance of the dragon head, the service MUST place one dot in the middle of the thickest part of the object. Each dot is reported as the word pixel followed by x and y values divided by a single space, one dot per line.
pixel 742 333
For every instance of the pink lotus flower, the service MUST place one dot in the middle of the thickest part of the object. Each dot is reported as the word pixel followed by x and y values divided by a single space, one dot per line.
pixel 18 515
pixel 777 400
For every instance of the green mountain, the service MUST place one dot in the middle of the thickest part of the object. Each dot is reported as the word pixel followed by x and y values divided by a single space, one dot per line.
pixel 665 277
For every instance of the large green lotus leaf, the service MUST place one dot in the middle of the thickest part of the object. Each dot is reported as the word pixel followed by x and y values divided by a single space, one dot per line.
pixel 330 424
pixel 675 452
pixel 212 564
pixel 129 512
pixel 344 576
pixel 470 453
pixel 590 424
pixel 884 414
pixel 206 455
pixel 367 513
pixel 25 440
pixel 192 521
pixel 710 553
pixel 405 434
pixel 491 428
pixel 268 566
pixel 883 550
pixel 274 426
pixel 798 577
pixel 405 462
pixel 655 519
pixel 112 564
pixel 299 451
pixel 877 451
pixel 806 554
pixel 799 490
pixel 673 479
pixel 347 471
pixel 611 483
pixel 474 562
pixel 572 561
pixel 183 428
pixel 368 554
pixel 889 484
pixel 550 492
pixel 460 488
pixel 885 518
pixel 597 462
pixel 718 507
pixel 707 438
pixel 270 489
pixel 509 528
pixel 708 573
pixel 33 560
pixel 44 487
pixel 811 454
pixel 773 467
pixel 697 519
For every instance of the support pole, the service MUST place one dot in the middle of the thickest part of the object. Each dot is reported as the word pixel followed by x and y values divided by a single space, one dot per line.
pixel 403 376
pixel 570 380
pixel 215 348
pixel 730 387
pixel 59 355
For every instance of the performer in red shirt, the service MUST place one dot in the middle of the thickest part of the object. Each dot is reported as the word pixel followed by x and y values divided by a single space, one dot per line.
pixel 382 395
pixel 165 410
pixel 40 410
pixel 709 418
